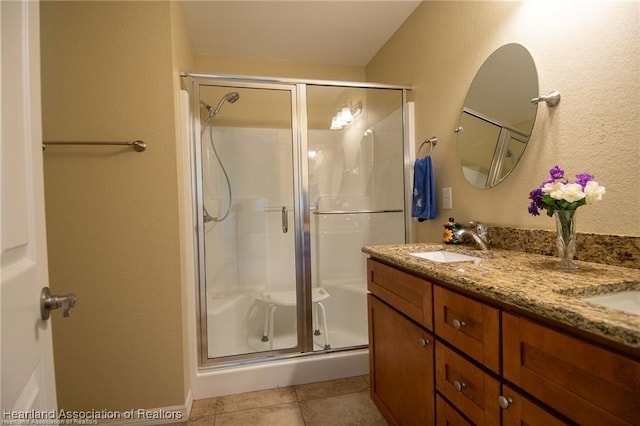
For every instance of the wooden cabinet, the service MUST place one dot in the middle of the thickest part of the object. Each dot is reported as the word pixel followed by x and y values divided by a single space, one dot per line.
pixel 585 382
pixel 485 366
pixel 469 325
pixel 401 366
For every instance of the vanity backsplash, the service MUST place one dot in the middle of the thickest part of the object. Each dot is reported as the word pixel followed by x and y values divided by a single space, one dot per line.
pixel 615 250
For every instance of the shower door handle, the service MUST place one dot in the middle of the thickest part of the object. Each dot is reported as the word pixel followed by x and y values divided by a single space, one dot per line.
pixel 285 219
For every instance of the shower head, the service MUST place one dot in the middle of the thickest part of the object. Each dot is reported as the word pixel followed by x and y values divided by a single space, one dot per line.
pixel 230 97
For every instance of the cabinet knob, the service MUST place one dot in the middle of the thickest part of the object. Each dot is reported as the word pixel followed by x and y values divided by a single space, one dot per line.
pixel 459 385
pixel 504 401
pixel 424 342
pixel 458 324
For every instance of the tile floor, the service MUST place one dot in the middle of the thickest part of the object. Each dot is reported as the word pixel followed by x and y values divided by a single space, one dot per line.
pixel 332 403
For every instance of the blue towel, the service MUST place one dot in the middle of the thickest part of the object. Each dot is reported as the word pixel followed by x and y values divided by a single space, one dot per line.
pixel 424 190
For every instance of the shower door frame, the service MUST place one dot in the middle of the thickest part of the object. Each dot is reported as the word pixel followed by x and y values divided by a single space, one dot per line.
pixel 302 212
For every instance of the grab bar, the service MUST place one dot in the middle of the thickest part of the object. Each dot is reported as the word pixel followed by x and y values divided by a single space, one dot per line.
pixel 137 145
pixel 314 211
pixel 357 211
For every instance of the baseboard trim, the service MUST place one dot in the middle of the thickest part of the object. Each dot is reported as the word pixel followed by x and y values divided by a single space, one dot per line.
pixel 153 416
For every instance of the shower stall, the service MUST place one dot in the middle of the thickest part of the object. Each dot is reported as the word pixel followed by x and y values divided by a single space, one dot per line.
pixel 290 179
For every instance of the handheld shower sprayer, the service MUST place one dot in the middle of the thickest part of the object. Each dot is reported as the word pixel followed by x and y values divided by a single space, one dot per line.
pixel 230 97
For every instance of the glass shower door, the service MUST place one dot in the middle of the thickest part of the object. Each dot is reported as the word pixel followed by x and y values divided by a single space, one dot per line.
pixel 285 200
pixel 248 244
pixel 356 198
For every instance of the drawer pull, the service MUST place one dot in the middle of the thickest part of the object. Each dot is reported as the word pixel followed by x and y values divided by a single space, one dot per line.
pixel 458 324
pixel 504 401
pixel 424 342
pixel 459 385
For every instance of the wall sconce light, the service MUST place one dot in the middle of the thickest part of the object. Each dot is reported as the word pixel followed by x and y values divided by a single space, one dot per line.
pixel 346 115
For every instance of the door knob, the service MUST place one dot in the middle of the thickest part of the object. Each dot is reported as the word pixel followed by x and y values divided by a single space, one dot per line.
pixel 49 302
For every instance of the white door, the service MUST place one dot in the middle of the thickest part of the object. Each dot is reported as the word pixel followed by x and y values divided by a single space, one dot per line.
pixel 27 375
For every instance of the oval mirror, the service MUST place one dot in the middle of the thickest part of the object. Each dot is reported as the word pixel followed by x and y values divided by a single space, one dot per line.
pixel 498 116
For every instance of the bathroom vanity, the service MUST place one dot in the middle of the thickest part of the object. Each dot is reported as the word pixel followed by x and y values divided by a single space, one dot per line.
pixel 506 339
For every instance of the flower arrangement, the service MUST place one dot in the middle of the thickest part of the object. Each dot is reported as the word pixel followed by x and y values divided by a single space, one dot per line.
pixel 558 193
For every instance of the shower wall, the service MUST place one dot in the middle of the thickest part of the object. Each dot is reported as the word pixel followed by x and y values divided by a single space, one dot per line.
pixel 352 183
pixel 242 254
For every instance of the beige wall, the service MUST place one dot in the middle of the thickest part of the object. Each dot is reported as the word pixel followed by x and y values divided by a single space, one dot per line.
pixel 590 52
pixel 112 214
pixel 276 68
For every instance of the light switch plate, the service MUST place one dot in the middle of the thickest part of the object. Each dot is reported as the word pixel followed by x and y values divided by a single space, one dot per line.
pixel 447 202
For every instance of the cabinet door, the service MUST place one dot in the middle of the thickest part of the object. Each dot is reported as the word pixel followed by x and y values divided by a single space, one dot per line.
pixel 401 366
pixel 519 410
pixel 582 381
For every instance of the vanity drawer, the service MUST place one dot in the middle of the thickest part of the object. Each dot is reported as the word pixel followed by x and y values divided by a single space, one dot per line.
pixel 519 410
pixel 407 293
pixel 469 325
pixel 446 415
pixel 470 389
pixel 582 381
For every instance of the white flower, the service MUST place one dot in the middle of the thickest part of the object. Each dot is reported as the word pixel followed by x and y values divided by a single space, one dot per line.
pixel 594 191
pixel 557 193
pixel 548 188
pixel 570 192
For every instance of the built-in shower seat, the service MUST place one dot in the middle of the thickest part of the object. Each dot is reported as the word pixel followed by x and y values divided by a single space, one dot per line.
pixel 276 299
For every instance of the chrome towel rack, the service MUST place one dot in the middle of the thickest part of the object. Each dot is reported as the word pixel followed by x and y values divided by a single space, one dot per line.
pixel 432 141
pixel 137 145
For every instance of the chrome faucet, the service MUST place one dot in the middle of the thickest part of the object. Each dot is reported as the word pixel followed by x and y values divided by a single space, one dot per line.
pixel 479 235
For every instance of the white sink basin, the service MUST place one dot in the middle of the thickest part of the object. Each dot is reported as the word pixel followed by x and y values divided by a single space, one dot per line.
pixel 628 301
pixel 445 256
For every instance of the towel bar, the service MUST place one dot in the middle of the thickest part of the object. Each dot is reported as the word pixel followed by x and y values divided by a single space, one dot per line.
pixel 137 145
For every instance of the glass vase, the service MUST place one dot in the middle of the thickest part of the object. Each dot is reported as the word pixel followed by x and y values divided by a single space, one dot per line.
pixel 566 238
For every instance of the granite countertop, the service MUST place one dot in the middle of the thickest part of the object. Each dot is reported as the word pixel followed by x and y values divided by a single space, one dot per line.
pixel 531 283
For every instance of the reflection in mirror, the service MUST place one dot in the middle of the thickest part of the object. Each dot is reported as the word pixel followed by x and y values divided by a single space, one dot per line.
pixel 498 116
